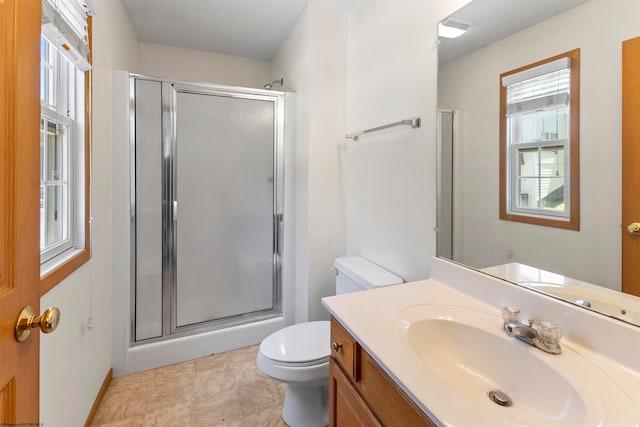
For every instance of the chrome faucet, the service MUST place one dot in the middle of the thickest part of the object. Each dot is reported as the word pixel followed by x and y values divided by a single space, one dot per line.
pixel 543 335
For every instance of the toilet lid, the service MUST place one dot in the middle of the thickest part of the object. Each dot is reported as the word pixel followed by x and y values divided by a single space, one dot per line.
pixel 304 342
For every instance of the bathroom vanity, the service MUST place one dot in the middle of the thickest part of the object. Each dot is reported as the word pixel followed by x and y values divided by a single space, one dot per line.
pixel 435 352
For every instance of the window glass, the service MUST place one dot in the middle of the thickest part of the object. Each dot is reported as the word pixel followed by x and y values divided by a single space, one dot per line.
pixel 55 206
pixel 47 73
pixel 552 161
pixel 56 215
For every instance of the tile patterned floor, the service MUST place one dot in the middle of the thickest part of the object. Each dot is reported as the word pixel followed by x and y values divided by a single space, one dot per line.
pixel 225 389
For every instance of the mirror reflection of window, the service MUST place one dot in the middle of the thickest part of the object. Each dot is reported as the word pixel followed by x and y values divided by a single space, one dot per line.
pixel 538 113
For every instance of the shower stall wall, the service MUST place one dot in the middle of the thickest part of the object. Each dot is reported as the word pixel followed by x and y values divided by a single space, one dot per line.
pixel 207 203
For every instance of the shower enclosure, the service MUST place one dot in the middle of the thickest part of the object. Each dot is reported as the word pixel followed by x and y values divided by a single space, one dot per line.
pixel 206 203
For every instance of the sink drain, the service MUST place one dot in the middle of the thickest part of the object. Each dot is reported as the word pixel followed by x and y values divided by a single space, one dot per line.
pixel 500 398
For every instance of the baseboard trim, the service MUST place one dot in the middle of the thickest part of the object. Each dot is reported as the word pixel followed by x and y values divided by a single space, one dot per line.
pixel 99 397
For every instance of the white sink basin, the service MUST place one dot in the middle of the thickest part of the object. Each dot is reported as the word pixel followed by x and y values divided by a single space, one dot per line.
pixel 465 355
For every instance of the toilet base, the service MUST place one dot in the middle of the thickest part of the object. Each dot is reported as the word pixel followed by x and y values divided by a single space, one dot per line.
pixel 306 406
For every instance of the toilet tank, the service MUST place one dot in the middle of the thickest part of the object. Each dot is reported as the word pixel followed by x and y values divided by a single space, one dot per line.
pixel 358 274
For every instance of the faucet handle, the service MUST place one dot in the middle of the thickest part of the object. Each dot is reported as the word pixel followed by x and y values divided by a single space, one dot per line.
pixel 548 333
pixel 511 314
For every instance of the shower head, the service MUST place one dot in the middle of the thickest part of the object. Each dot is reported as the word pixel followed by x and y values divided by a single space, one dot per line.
pixel 268 86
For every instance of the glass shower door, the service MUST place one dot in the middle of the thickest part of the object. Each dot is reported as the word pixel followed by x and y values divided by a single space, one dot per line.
pixel 223 206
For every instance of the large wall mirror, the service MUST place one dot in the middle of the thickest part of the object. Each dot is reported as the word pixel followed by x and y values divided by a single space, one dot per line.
pixel 581 266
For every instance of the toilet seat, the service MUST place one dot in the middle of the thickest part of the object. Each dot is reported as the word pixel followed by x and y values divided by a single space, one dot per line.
pixel 297 364
pixel 304 344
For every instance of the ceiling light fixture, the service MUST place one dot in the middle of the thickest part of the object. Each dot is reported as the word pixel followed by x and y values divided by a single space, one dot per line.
pixel 450 28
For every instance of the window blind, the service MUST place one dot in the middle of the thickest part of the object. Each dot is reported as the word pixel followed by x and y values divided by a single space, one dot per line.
pixel 64 24
pixel 542 92
pixel 540 70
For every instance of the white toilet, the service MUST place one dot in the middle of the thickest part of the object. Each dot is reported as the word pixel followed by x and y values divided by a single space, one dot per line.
pixel 299 354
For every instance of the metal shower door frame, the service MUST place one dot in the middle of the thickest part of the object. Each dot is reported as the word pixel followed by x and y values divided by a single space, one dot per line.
pixel 170 91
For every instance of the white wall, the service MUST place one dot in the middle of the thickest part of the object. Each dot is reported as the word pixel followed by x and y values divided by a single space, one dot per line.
pixel 292 63
pixel 312 61
pixel 197 66
pixel 327 117
pixel 471 85
pixel 391 193
pixel 75 359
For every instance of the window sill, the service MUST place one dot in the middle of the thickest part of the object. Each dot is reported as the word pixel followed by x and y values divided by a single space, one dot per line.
pixel 60 267
pixel 564 223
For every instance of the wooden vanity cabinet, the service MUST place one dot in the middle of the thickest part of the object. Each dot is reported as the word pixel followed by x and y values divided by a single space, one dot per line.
pixel 361 394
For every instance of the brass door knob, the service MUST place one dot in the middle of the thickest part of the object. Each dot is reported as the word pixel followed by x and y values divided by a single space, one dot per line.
pixel 27 320
pixel 634 228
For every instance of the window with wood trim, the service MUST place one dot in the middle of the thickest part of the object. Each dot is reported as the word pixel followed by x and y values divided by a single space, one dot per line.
pixel 65 118
pixel 539 142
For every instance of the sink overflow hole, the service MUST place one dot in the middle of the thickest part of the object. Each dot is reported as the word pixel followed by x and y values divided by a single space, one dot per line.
pixel 500 398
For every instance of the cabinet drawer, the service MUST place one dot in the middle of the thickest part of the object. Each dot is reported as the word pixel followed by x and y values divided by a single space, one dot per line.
pixel 345 350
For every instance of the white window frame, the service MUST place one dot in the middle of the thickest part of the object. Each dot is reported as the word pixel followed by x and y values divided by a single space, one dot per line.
pixel 67 109
pixel 48 252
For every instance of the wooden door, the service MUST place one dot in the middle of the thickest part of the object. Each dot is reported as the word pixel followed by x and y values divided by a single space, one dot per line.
pixel 630 165
pixel 19 206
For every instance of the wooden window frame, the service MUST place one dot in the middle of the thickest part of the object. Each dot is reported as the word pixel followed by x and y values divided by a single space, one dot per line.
pixel 64 270
pixel 574 149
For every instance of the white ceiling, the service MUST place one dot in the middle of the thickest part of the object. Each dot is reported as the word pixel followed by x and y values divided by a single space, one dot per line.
pixel 249 28
pixel 257 28
pixel 492 20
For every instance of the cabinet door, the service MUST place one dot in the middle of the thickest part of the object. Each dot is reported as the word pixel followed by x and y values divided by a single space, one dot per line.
pixel 390 404
pixel 346 407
